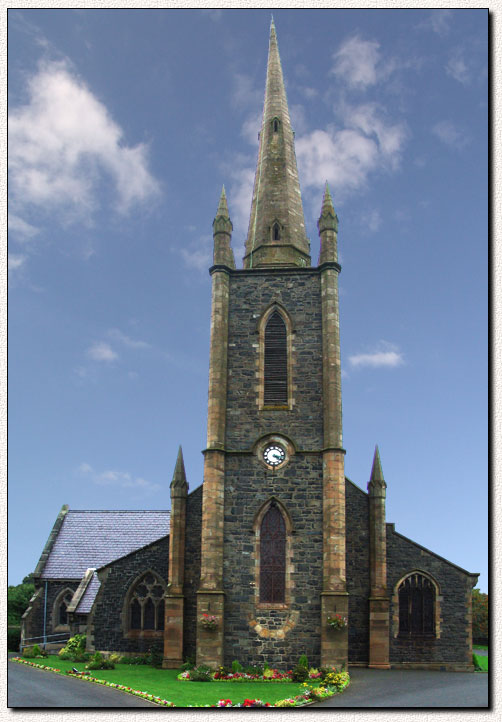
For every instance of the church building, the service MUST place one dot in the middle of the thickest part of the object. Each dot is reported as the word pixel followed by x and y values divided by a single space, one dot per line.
pixel 277 553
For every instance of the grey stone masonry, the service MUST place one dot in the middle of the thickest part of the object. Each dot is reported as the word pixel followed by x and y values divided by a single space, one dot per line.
pixel 108 620
pixel 251 293
pixel 298 487
pixel 453 641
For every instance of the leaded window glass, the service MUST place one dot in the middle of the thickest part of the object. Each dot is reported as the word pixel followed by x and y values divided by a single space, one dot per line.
pixel 146 606
pixel 272 556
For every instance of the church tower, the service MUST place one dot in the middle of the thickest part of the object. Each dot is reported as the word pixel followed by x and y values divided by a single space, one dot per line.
pixel 273 509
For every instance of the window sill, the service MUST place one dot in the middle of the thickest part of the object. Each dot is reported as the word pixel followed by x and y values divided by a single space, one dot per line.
pixel 272 605
pixel 145 633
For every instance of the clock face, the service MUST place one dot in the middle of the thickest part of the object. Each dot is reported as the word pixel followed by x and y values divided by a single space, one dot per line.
pixel 274 455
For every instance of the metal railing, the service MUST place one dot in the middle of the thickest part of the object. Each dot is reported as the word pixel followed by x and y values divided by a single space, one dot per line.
pixel 43 641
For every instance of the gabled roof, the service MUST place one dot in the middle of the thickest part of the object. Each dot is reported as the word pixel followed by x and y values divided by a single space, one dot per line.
pixel 88 539
pixel 87 600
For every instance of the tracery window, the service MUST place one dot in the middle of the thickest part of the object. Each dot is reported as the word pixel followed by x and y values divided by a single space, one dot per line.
pixel 273 556
pixel 417 598
pixel 146 604
pixel 276 362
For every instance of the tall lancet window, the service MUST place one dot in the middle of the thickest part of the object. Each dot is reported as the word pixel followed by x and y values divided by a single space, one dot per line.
pixel 273 556
pixel 276 362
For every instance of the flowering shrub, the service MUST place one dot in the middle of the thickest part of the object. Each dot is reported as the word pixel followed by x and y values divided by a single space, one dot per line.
pixel 315 673
pixel 337 621
pixel 209 621
pixel 224 703
pixel 254 703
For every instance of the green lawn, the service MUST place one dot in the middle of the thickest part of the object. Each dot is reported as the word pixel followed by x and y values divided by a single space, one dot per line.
pixel 481 661
pixel 163 682
pixel 480 646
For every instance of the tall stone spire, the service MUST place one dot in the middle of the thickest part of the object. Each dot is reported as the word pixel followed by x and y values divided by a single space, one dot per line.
pixel 276 234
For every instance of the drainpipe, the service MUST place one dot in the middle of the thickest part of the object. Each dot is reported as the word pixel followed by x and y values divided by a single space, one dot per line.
pixel 45 616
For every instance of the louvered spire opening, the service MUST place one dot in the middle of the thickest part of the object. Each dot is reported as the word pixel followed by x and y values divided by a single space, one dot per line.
pixel 276 362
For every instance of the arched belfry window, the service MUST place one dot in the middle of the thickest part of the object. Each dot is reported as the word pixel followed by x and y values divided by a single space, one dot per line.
pixel 275 125
pixel 145 608
pixel 276 232
pixel 417 600
pixel 275 376
pixel 273 556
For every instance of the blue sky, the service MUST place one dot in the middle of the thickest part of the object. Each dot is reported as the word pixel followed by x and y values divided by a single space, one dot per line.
pixel 123 126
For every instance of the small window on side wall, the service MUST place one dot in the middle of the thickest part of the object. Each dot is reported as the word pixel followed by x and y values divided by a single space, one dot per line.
pixel 275 125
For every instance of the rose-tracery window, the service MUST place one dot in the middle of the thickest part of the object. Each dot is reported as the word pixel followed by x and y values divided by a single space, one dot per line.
pixel 417 597
pixel 146 605
pixel 273 556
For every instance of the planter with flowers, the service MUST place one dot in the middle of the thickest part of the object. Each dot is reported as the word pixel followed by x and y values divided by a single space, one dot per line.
pixel 336 621
pixel 209 621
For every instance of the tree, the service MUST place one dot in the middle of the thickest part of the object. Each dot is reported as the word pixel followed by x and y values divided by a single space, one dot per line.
pixel 479 614
pixel 18 598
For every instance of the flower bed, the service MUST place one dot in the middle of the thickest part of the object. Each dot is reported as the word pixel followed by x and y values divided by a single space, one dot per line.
pixel 337 682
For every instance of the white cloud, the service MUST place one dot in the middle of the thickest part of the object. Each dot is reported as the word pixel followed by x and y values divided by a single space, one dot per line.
pixel 117 335
pixel 457 68
pixel 63 141
pixel 15 261
pixel 22 230
pixel 372 220
pixel 245 93
pixel 251 128
pixel 387 355
pixel 358 63
pixel 439 21
pixel 214 15
pixel 450 134
pixel 102 352
pixel 199 254
pixel 345 156
pixel 121 479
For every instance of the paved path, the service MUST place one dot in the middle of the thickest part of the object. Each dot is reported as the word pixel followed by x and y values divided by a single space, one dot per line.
pixel 411 688
pixel 31 687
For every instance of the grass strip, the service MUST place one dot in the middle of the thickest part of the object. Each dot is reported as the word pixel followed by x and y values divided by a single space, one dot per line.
pixel 161 686
pixel 480 662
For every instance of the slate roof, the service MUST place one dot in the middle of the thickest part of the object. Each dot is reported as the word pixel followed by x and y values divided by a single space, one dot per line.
pixel 87 600
pixel 95 538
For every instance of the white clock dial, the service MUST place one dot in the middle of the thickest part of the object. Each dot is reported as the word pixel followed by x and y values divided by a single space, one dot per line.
pixel 274 455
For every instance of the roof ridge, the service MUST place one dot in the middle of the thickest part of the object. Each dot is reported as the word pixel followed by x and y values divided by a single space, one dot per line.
pixel 121 511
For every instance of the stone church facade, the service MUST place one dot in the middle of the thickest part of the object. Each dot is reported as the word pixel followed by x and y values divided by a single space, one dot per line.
pixel 277 540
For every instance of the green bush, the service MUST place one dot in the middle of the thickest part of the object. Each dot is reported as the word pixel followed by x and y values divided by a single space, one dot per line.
pixel 76 644
pixel 253 670
pixel 299 673
pixel 99 662
pixel 13 639
pixel 236 666
pixel 140 659
pixel 28 652
pixel 115 658
pixel 303 661
pixel 156 655
pixel 37 652
pixel 201 674
pixel 188 664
